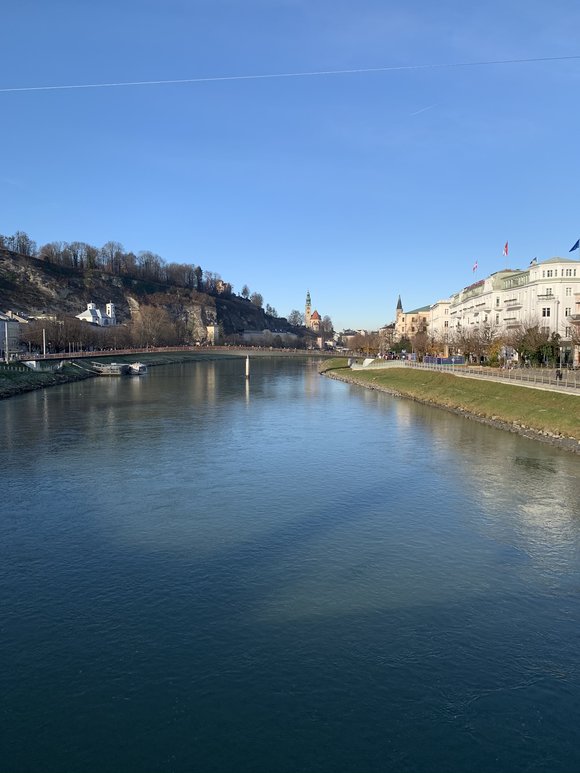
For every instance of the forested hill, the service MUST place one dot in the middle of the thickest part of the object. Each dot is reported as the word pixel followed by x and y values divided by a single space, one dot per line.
pixel 61 281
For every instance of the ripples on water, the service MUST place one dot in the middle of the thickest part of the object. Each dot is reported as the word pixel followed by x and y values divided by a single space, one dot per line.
pixel 292 575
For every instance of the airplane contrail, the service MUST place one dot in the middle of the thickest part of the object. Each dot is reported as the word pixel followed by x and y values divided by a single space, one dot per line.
pixel 270 76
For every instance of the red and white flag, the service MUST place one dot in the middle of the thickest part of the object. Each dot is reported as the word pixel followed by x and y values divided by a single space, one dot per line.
pixel 505 250
pixel 475 266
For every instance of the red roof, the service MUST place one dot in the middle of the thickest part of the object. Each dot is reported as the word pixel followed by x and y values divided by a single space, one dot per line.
pixel 315 315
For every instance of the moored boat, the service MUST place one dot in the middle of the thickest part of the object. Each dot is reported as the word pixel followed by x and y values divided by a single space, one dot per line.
pixel 111 368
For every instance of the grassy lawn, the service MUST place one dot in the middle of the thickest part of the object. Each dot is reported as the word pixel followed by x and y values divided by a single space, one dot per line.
pixel 541 410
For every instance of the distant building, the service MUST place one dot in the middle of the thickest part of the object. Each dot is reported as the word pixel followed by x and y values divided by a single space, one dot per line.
pixel 95 316
pixel 269 338
pixel 313 322
pixel 9 336
pixel 18 316
pixel 348 336
pixel 212 334
pixel 408 323
pixel 438 325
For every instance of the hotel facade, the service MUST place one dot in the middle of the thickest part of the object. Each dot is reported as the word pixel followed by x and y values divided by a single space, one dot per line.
pixel 546 294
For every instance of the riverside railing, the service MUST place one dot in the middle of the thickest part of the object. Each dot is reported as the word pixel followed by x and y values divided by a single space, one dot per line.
pixel 569 379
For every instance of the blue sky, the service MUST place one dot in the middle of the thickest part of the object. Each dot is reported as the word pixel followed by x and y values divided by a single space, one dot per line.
pixel 357 187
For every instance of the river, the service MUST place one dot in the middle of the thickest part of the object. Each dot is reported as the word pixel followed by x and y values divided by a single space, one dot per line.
pixel 200 573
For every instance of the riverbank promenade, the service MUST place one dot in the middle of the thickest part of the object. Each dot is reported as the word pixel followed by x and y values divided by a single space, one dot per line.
pixel 535 378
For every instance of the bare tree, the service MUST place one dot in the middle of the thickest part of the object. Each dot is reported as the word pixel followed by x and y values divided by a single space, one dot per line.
pixel 530 341
pixel 369 344
pixel 111 255
pixel 150 266
pixel 326 325
pixel 152 327
pixel 295 318
pixel 24 244
pixel 51 252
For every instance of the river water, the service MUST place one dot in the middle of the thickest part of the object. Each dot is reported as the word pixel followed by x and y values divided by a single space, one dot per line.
pixel 295 574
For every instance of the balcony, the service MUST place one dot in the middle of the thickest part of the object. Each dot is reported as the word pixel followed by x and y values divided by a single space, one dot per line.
pixel 511 322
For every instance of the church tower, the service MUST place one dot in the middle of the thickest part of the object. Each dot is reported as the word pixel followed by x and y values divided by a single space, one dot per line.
pixel 307 310
pixel 399 321
pixel 399 311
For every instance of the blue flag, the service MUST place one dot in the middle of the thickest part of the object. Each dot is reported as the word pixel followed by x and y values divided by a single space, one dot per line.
pixel 575 247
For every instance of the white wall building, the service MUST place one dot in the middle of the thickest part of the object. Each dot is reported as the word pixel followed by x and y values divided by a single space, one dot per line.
pixel 543 294
pixel 438 321
pixel 97 317
pixel 546 294
pixel 9 336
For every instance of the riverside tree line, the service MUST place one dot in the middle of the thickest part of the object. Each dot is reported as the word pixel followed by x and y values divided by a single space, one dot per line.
pixel 486 344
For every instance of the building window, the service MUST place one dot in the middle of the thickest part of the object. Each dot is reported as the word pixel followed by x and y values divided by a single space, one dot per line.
pixel 549 272
pixel 446 323
pixel 568 291
pixel 546 312
pixel 548 291
pixel 568 311
pixel 497 302
pixel 568 333
pixel 568 272
pixel 497 319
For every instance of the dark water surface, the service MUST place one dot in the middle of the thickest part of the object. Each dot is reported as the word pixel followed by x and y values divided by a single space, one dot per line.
pixel 298 575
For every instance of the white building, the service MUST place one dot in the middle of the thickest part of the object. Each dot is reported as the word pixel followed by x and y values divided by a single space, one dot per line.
pixel 438 322
pixel 481 303
pixel 9 336
pixel 544 294
pixel 97 317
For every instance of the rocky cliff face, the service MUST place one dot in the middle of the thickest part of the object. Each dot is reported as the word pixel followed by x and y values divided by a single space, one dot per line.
pixel 35 287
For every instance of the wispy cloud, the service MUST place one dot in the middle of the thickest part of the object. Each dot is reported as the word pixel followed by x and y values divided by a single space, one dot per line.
pixel 13 183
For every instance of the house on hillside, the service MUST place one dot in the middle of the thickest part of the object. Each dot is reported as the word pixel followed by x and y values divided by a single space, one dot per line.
pixel 96 317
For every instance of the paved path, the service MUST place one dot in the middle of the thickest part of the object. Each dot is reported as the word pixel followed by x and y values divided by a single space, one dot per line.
pixel 533 378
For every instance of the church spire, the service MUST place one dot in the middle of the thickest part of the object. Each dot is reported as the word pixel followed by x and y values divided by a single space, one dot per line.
pixel 399 304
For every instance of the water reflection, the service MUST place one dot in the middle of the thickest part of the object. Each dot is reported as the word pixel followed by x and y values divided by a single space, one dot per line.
pixel 190 550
